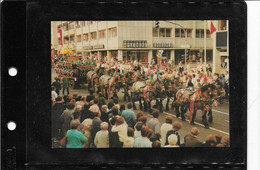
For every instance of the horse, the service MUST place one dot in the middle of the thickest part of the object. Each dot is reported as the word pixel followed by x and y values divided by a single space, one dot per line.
pixel 103 84
pixel 92 78
pixel 170 91
pixel 128 81
pixel 202 99
pixel 147 91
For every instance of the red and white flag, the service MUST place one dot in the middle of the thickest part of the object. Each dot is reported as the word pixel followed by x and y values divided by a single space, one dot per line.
pixel 60 31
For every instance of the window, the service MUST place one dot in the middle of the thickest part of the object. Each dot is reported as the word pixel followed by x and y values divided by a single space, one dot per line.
pixel 112 32
pixel 82 23
pixel 180 33
pixel 78 38
pixel 200 33
pixel 66 40
pixel 72 39
pixel 168 32
pixel 85 37
pixel 155 32
pixel 59 41
pixel 161 32
pixel 189 33
pixel 102 34
pixel 71 25
pixel 77 24
pixel 66 27
pixel 223 25
pixel 93 35
pixel 59 27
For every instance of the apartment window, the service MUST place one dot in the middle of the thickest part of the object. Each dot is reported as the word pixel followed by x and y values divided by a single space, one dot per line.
pixel 85 37
pixel 181 34
pixel 102 34
pixel 82 23
pixel 112 32
pixel 66 27
pixel 77 24
pixel 93 35
pixel 71 25
pixel 78 38
pixel 66 40
pixel 72 39
pixel 200 33
pixel 161 32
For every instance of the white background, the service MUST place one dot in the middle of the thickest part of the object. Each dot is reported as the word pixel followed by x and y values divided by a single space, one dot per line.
pixel 253 67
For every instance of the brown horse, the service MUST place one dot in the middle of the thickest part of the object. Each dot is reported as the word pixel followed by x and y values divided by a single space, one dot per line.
pixel 199 100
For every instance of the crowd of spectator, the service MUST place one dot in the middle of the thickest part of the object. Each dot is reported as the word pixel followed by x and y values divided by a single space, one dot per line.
pixel 93 122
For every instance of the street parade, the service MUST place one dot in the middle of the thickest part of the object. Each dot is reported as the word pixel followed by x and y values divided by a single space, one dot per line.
pixel 128 103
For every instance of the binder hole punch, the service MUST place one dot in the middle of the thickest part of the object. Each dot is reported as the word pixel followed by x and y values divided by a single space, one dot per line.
pixel 12 71
pixel 11 125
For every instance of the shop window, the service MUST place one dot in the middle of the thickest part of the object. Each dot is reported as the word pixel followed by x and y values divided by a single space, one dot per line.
pixel 102 34
pixel 93 35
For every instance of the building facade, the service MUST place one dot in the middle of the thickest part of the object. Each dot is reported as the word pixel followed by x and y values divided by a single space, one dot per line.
pixel 176 40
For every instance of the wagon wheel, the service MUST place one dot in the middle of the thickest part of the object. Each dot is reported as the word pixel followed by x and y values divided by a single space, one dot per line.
pixel 72 84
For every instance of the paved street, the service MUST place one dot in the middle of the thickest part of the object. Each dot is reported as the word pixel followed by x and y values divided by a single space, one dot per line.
pixel 220 116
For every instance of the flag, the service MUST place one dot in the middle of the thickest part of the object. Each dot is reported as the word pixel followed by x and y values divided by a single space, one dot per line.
pixel 212 28
pixel 60 31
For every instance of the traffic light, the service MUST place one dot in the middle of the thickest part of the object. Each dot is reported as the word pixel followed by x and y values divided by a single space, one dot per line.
pixel 157 24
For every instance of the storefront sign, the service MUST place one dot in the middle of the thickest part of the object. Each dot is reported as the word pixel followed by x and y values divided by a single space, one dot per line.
pixel 99 46
pixel 87 47
pixel 162 45
pixel 134 43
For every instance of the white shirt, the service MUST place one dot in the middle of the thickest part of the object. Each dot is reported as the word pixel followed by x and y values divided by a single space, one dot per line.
pixel 94 108
pixel 129 142
pixel 137 134
pixel 164 129
pixel 122 131
pixel 54 95
pixel 101 139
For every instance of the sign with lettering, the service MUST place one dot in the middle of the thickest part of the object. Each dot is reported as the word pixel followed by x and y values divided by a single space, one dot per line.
pixel 134 43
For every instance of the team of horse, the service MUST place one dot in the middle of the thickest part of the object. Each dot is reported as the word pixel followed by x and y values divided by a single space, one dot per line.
pixel 110 82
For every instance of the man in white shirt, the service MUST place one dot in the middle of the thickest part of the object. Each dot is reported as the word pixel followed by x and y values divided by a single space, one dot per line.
pixel 101 138
pixel 165 128
pixel 54 95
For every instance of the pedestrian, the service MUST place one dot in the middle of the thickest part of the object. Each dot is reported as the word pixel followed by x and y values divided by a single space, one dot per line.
pixel 143 141
pixel 154 123
pixel 129 140
pixel 129 115
pixel 211 141
pixel 65 85
pixel 57 85
pixel 165 128
pixel 173 140
pixel 120 127
pixel 176 126
pixel 191 140
pixel 54 95
pixel 74 138
pixel 101 138
pixel 66 117
pixel 138 127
